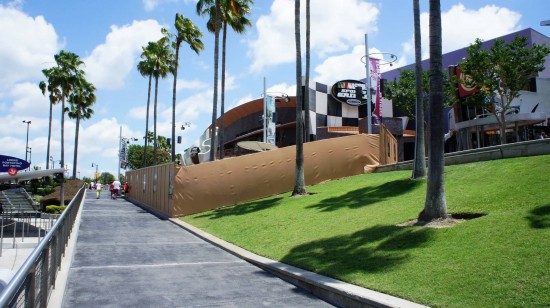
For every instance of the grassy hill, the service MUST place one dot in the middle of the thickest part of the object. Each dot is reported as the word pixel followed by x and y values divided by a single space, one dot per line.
pixel 355 230
pixel 70 189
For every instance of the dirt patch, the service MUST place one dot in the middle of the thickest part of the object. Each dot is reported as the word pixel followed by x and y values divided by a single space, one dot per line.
pixel 451 220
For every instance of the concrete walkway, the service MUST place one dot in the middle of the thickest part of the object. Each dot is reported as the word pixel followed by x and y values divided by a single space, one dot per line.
pixel 125 256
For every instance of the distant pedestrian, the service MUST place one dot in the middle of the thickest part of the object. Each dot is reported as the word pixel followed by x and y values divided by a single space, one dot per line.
pixel 116 188
pixel 98 190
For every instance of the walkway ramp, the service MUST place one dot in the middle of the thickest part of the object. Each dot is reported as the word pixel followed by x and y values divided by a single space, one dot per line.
pixel 127 257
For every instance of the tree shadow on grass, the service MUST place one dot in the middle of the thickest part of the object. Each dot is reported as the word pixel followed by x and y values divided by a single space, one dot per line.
pixel 371 250
pixel 539 217
pixel 367 195
pixel 242 209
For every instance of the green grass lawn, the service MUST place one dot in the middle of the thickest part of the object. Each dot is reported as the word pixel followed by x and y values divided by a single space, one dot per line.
pixel 348 229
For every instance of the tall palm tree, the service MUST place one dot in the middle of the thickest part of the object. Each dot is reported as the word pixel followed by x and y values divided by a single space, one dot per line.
pixel 65 77
pixel 81 100
pixel 161 57
pixel 145 68
pixel 419 169
pixel 214 25
pixel 435 206
pixel 232 13
pixel 54 97
pixel 187 32
pixel 299 180
pixel 307 121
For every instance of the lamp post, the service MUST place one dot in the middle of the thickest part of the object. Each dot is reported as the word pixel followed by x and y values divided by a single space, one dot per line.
pixel 52 162
pixel 266 117
pixel 29 150
pixel 392 59
pixel 122 152
pixel 96 166
pixel 27 144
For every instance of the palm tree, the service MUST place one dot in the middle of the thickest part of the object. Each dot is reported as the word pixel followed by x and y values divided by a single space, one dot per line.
pixel 64 77
pixel 82 98
pixel 419 169
pixel 299 181
pixel 306 93
pixel 214 25
pixel 161 57
pixel 435 206
pixel 145 68
pixel 187 32
pixel 232 13
pixel 54 97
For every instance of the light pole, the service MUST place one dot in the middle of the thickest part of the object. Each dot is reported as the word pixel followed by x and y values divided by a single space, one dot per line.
pixel 122 151
pixel 268 113
pixel 52 162
pixel 96 166
pixel 29 150
pixel 27 144
pixel 392 59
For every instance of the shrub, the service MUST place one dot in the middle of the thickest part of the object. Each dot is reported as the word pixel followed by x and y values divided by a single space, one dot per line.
pixel 55 209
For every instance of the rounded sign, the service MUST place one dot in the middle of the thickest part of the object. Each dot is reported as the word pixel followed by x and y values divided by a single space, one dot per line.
pixel 351 92
pixel 12 171
pixel 8 162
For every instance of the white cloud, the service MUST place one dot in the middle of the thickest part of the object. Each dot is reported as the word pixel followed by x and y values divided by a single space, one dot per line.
pixel 110 63
pixel 28 100
pixel 26 49
pixel 461 26
pixel 346 66
pixel 334 28
pixel 190 84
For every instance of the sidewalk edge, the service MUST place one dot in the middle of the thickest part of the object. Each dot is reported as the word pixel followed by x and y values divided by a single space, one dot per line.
pixel 336 292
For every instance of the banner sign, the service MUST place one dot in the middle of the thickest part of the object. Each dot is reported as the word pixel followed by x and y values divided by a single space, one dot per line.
pixel 375 76
pixel 8 162
pixel 463 88
pixel 270 124
pixel 351 92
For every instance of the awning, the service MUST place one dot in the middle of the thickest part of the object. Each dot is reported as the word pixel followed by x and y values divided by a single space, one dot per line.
pixel 29 175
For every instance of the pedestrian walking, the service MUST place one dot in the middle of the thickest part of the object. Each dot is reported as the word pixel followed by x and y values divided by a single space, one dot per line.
pixel 97 190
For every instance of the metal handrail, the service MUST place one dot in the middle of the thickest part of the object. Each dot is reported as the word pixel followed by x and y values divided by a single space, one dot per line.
pixel 34 280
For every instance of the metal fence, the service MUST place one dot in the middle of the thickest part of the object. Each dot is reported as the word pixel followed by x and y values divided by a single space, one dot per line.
pixel 32 284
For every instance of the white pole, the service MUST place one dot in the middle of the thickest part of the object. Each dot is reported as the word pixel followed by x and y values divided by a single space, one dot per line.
pixel 119 150
pixel 264 122
pixel 369 103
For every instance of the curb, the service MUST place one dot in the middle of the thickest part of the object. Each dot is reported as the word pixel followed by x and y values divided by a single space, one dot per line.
pixel 333 291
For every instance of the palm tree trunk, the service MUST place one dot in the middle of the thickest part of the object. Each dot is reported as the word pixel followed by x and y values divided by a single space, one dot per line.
pixel 215 98
pixel 147 123
pixel 155 121
pixel 299 180
pixel 75 158
pixel 62 161
pixel 49 137
pixel 307 122
pixel 435 206
pixel 222 111
pixel 174 103
pixel 419 170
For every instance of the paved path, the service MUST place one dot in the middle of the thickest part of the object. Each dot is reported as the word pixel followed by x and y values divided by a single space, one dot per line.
pixel 127 257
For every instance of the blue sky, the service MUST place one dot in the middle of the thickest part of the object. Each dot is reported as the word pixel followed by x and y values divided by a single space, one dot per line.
pixel 108 36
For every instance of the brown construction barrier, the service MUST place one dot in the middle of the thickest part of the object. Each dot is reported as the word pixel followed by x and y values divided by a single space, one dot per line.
pixel 388 147
pixel 234 180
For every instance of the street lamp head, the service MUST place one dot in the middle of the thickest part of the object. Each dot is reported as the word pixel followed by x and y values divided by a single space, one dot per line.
pixel 382 60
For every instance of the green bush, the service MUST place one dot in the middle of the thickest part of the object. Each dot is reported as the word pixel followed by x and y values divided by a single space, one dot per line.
pixel 44 190
pixel 55 209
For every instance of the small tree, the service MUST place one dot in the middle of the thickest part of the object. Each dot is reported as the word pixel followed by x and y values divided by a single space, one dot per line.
pixel 502 71
pixel 402 92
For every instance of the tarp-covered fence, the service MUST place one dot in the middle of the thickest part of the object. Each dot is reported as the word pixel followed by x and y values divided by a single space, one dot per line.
pixel 233 180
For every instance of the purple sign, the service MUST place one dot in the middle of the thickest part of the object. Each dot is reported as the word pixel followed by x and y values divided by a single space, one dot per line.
pixel 8 162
